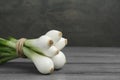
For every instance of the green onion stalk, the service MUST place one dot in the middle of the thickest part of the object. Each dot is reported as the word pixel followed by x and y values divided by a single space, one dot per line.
pixel 43 51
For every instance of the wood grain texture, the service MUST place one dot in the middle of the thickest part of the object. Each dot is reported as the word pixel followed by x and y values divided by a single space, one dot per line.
pixel 83 63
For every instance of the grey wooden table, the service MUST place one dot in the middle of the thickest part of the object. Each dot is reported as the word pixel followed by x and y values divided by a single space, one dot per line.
pixel 83 63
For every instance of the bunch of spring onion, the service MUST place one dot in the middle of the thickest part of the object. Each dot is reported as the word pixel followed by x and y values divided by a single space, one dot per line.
pixel 45 51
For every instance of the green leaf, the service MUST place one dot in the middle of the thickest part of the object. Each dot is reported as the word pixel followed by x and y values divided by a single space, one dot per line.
pixel 10 38
pixel 4 60
pixel 3 42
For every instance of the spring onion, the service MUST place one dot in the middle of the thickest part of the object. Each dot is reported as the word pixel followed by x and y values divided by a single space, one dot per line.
pixel 54 35
pixel 44 51
pixel 61 43
pixel 59 60
pixel 42 45
pixel 43 64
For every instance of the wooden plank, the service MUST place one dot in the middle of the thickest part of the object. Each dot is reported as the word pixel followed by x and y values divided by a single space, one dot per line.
pixel 84 63
pixel 93 59
pixel 84 59
pixel 92 55
pixel 28 67
pixel 91 51
pixel 89 55
pixel 57 77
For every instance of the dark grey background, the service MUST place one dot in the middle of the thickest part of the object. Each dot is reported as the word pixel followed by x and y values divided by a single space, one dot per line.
pixel 83 22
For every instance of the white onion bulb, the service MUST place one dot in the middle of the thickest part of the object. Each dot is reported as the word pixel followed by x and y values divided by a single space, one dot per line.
pixel 52 51
pixel 61 43
pixel 54 35
pixel 43 64
pixel 59 60
pixel 44 42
